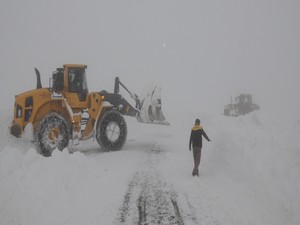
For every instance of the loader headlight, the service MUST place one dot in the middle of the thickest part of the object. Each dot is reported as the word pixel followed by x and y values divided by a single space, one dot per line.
pixel 19 111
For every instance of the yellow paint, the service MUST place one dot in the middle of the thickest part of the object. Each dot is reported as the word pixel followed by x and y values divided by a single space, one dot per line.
pixel 69 107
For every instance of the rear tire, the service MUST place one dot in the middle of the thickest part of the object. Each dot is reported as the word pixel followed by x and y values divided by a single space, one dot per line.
pixel 52 133
pixel 111 131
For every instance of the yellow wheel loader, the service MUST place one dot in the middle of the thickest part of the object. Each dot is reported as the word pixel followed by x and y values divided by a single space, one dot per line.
pixel 68 111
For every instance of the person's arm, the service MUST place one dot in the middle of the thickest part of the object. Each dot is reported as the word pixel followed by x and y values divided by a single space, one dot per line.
pixel 205 135
pixel 190 141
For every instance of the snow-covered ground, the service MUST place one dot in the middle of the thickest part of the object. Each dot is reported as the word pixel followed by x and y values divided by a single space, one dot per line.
pixel 249 174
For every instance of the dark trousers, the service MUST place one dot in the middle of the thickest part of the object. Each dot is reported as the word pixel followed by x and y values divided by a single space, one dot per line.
pixel 197 157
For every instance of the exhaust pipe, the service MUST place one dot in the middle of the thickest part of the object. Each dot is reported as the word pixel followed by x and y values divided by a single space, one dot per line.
pixel 38 78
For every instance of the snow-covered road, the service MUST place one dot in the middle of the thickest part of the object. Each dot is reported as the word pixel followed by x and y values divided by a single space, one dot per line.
pixel 249 174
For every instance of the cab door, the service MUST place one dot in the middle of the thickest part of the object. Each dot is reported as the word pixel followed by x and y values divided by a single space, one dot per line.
pixel 77 94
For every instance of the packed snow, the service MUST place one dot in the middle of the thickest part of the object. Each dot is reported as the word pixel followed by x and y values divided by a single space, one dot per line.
pixel 249 174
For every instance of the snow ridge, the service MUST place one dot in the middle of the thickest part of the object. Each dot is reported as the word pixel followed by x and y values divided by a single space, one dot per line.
pixel 249 174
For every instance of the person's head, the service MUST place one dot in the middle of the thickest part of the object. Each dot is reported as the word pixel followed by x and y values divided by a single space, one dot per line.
pixel 197 122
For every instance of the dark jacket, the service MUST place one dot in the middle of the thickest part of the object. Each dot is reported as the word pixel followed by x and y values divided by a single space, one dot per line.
pixel 196 136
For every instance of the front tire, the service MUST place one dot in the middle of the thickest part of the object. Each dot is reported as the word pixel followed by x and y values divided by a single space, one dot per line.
pixel 52 133
pixel 111 131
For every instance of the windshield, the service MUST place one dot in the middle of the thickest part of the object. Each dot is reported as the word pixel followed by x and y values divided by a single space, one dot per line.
pixel 77 80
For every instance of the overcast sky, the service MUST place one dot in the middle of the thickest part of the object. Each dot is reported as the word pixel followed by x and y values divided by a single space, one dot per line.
pixel 200 51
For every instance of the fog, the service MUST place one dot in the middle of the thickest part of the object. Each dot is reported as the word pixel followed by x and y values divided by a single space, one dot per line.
pixel 200 52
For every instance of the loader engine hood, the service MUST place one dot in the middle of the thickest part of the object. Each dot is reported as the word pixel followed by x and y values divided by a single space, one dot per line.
pixel 24 108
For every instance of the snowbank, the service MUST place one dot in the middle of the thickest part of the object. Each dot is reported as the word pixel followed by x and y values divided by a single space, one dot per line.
pixel 249 174
pixel 256 157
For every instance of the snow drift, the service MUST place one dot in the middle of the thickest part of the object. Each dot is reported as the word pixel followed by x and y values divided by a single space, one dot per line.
pixel 249 174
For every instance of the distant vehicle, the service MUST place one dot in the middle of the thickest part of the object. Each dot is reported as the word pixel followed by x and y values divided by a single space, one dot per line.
pixel 243 105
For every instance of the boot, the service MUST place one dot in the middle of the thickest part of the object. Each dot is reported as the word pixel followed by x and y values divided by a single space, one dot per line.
pixel 197 172
pixel 194 172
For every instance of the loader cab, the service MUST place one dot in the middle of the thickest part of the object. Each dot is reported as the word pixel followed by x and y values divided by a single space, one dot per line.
pixel 58 80
pixel 244 99
pixel 75 83
pixel 244 103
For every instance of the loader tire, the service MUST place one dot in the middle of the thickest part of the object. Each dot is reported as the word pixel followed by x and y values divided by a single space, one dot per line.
pixel 111 131
pixel 53 132
pixel 226 112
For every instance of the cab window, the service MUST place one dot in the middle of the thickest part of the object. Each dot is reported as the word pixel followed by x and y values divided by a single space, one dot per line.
pixel 77 80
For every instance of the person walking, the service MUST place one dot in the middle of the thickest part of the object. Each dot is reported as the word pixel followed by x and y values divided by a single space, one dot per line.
pixel 196 141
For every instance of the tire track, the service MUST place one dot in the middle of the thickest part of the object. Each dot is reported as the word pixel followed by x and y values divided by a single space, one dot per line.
pixel 127 199
pixel 149 199
pixel 177 212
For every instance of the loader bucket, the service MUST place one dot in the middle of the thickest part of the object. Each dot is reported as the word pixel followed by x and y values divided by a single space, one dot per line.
pixel 151 107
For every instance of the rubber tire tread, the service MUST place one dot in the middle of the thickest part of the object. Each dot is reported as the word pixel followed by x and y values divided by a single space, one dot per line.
pixel 101 135
pixel 58 120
